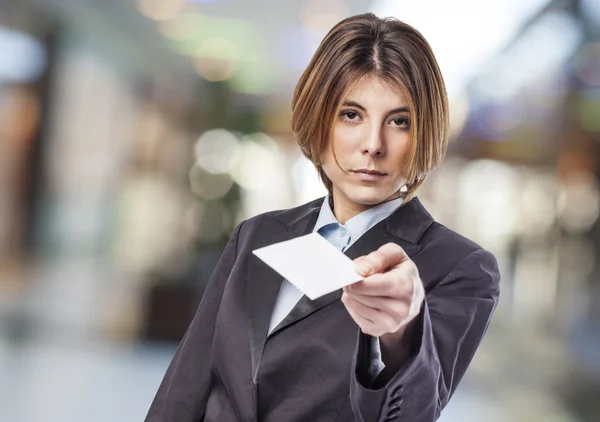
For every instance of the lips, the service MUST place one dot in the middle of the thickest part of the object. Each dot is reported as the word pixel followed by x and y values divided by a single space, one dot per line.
pixel 367 175
pixel 371 172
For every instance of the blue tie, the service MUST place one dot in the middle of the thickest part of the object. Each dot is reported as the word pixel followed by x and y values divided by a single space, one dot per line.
pixel 335 234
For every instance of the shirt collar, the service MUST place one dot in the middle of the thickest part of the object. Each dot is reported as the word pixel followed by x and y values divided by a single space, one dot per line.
pixel 361 223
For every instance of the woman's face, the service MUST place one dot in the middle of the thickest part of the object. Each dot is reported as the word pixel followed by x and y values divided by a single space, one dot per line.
pixel 370 138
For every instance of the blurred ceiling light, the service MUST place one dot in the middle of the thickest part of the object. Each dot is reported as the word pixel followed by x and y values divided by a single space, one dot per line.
pixel 587 64
pixel 214 70
pixel 184 27
pixel 464 34
pixel 161 10
pixel 216 59
pixel 23 58
pixel 537 199
pixel 306 181
pixel 486 211
pixel 207 185
pixel 257 166
pixel 215 151
pixel 579 203
pixel 320 17
pixel 258 77
pixel 198 29
pixel 217 48
pixel 219 45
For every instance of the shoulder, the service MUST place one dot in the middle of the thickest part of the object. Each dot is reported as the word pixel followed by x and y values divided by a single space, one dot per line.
pixel 289 215
pixel 459 264
pixel 442 238
pixel 458 247
pixel 280 219
pixel 413 223
pixel 444 252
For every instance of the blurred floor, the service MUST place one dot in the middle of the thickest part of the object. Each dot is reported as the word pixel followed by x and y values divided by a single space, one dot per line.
pixel 57 380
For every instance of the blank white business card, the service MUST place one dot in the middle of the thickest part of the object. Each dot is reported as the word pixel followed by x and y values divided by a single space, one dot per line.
pixel 310 263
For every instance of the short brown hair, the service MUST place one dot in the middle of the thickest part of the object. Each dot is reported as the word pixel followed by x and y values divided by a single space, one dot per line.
pixel 397 53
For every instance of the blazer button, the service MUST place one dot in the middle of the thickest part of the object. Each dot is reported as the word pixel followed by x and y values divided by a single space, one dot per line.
pixel 396 402
pixel 393 413
pixel 397 391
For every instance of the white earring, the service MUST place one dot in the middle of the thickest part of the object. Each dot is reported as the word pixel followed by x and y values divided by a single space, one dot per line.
pixel 404 188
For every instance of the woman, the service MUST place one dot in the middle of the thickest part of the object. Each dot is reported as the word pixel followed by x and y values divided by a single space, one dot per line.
pixel 371 113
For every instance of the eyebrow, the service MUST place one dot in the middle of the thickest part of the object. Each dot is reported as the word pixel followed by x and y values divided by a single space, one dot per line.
pixel 403 109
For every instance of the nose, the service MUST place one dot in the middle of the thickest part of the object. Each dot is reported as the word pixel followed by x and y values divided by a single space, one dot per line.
pixel 373 143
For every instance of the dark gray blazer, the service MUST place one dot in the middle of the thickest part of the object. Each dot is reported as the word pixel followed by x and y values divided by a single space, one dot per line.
pixel 313 367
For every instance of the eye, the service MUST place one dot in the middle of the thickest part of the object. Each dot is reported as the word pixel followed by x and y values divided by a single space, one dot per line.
pixel 350 116
pixel 401 122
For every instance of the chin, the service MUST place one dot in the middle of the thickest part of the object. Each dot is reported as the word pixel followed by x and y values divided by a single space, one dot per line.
pixel 368 195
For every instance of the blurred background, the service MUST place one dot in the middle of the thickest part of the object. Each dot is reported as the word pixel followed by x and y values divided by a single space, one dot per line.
pixel 135 135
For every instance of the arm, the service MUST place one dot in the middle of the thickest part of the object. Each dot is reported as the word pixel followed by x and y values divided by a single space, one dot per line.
pixel 453 319
pixel 183 393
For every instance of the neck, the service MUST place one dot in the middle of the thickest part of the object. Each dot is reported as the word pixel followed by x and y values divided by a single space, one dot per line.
pixel 344 210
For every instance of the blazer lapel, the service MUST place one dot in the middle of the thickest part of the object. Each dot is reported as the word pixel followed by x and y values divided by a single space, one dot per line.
pixel 404 227
pixel 263 283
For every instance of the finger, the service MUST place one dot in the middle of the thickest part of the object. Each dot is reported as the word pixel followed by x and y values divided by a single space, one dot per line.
pixel 368 313
pixel 380 260
pixel 366 326
pixel 396 283
pixel 372 320
pixel 352 305
pixel 395 308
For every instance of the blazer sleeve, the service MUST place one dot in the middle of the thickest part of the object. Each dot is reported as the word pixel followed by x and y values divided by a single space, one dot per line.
pixel 184 390
pixel 454 317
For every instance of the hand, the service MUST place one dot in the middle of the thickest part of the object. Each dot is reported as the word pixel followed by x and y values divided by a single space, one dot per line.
pixel 391 294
